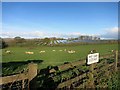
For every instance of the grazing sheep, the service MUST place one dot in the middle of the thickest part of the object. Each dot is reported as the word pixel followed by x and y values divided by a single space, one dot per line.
pixel 71 51
pixel 65 50
pixel 29 52
pixel 8 51
pixel 112 50
pixel 91 51
pixel 42 52
pixel 53 50
pixel 60 50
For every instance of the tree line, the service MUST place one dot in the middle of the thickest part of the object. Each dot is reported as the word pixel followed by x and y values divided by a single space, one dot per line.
pixel 19 41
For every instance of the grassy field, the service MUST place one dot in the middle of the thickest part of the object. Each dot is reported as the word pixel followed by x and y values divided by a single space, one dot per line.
pixel 15 62
pixel 56 57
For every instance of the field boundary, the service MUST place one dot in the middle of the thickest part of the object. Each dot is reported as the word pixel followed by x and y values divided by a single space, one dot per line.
pixel 80 62
pixel 27 75
pixel 86 79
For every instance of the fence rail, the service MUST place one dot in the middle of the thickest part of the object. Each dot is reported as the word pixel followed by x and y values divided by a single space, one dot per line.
pixel 76 63
pixel 13 78
pixel 32 68
pixel 70 82
pixel 79 81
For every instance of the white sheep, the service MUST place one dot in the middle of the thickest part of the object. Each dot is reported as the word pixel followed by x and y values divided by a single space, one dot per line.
pixel 42 52
pixel 71 51
pixel 112 50
pixel 29 52
pixel 65 50
pixel 53 50
pixel 8 51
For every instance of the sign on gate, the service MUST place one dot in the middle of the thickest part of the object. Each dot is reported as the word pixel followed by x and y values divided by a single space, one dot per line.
pixel 92 58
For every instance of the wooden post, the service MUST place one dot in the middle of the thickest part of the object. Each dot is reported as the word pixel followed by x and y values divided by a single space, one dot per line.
pixel 23 84
pixel 93 58
pixel 28 85
pixel 91 76
pixel 106 70
pixel 68 87
pixel 32 72
pixel 116 60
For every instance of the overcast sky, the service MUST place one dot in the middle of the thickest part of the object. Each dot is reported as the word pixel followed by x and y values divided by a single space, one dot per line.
pixel 60 19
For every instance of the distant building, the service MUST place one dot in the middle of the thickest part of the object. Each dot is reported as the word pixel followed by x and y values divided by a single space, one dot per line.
pixel 88 38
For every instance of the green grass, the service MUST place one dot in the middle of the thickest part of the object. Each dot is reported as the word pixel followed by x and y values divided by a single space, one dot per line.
pixel 54 58
pixel 17 60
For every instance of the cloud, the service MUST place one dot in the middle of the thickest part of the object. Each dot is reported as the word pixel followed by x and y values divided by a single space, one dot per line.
pixel 113 30
pixel 11 32
pixel 38 34
pixel 41 34
pixel 111 33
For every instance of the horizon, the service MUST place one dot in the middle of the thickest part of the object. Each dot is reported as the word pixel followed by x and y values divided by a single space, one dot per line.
pixel 59 19
pixel 56 37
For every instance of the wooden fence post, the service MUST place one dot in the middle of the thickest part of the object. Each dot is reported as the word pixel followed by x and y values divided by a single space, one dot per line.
pixel 107 70
pixel 116 60
pixel 91 76
pixel 23 85
pixel 92 58
pixel 32 72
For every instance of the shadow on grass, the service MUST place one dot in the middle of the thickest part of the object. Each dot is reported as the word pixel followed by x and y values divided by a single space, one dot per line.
pixel 10 68
pixel 43 80
pixel 20 62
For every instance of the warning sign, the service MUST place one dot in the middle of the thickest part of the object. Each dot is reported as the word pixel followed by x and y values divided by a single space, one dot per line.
pixel 92 58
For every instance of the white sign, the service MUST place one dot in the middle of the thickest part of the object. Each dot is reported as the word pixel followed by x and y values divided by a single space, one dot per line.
pixel 93 58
